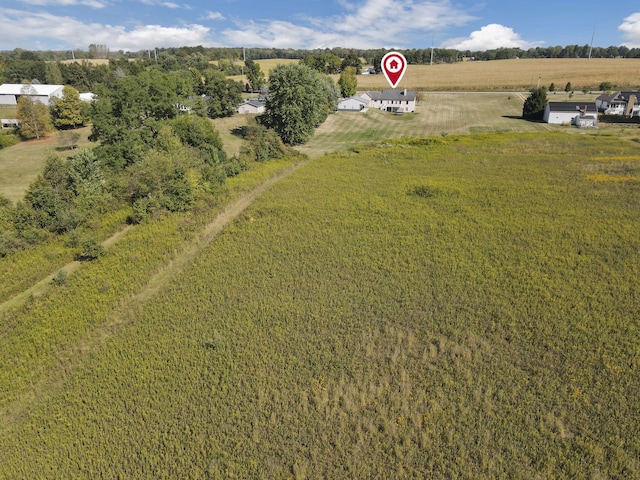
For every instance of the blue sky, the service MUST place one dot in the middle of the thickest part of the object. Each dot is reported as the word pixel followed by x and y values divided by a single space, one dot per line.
pixel 467 24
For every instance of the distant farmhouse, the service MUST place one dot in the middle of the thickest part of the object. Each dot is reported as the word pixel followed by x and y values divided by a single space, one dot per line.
pixel 252 106
pixel 580 114
pixel 10 92
pixel 620 103
pixel 396 101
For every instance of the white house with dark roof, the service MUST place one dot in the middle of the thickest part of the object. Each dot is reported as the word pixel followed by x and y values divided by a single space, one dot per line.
pixel 571 113
pixel 253 106
pixel 10 92
pixel 620 103
pixel 397 101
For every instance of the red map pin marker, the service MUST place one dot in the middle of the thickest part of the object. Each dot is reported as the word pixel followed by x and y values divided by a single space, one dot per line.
pixel 393 66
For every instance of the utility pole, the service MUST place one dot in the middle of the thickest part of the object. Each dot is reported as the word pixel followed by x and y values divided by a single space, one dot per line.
pixel 591 45
pixel 431 61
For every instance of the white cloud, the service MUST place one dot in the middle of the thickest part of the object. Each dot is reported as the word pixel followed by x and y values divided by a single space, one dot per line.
pixel 66 3
pixel 148 36
pixel 22 26
pixel 490 37
pixel 159 3
pixel 213 16
pixel 372 24
pixel 362 24
pixel 630 28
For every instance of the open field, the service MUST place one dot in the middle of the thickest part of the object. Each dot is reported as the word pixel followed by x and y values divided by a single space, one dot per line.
pixel 90 61
pixel 228 129
pixel 21 163
pixel 441 305
pixel 457 307
pixel 265 65
pixel 514 75
pixel 436 114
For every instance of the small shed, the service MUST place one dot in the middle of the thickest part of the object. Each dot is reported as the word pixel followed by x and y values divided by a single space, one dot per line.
pixel 586 121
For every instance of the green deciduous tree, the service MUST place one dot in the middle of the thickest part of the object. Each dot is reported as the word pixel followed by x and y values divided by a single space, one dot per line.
pixel 159 181
pixel 224 94
pixel 534 105
pixel 199 133
pixel 255 76
pixel 125 117
pixel 324 63
pixel 33 117
pixel 67 110
pixel 352 60
pixel 263 143
pixel 348 82
pixel 299 100
pixel 53 75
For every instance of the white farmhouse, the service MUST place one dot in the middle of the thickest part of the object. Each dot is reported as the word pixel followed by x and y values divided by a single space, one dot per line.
pixel 10 92
pixel 397 101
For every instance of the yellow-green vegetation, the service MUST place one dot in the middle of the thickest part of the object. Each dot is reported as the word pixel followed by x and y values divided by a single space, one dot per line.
pixel 514 74
pixel 24 268
pixel 448 307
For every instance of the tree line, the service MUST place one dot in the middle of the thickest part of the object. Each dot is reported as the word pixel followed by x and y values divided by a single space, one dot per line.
pixel 424 55
pixel 156 148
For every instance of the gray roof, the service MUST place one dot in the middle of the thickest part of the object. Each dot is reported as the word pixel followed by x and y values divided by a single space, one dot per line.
pixel 393 95
pixel 619 95
pixel 356 98
pixel 256 102
pixel 571 106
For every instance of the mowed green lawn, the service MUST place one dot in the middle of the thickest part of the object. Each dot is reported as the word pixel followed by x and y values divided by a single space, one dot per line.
pixel 457 307
pixel 21 163
pixel 437 114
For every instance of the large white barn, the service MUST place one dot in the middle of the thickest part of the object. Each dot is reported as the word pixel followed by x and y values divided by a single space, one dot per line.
pixel 10 92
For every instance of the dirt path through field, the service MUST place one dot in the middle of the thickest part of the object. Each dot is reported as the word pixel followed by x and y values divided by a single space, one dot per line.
pixel 69 359
pixel 43 285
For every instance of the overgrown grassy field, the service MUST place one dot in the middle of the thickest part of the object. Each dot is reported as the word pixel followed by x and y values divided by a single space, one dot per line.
pixel 518 75
pixel 457 307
